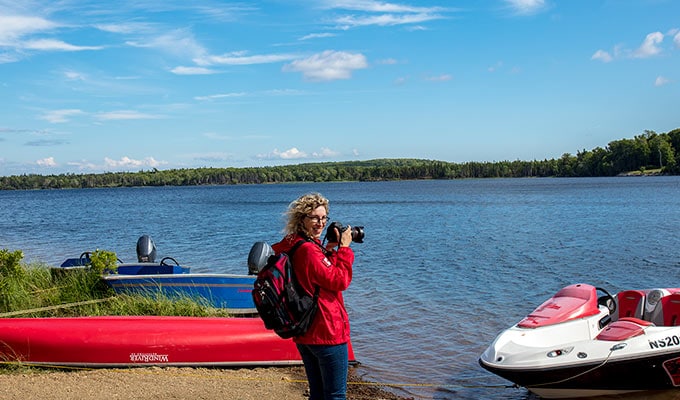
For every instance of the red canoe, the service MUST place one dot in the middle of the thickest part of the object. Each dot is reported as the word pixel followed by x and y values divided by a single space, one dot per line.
pixel 144 341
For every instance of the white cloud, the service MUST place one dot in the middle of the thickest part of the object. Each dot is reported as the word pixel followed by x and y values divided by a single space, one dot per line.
pixel 526 7
pixel 602 56
pixel 13 28
pixel 295 154
pixel 382 13
pixel 290 154
pixel 83 165
pixel 125 115
pixel 14 31
pixel 60 116
pixel 317 36
pixel 124 28
pixel 193 71
pixel 377 6
pixel 6 58
pixel 220 96
pixel 47 162
pixel 55 45
pixel 270 92
pixel 127 162
pixel 325 153
pixel 676 40
pixel 350 21
pixel 75 76
pixel 329 65
pixel 240 58
pixel 124 164
pixel 661 81
pixel 284 92
pixel 179 43
pixel 649 46
pixel 439 78
pixel 416 28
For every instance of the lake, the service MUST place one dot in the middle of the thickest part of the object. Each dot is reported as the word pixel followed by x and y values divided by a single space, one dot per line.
pixel 445 266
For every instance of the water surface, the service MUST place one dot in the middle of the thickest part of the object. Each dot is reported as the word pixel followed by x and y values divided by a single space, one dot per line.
pixel 446 265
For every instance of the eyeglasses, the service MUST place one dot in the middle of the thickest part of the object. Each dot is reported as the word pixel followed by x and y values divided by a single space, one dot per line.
pixel 317 219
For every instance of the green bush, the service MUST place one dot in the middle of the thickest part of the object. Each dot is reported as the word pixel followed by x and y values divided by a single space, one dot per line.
pixel 10 263
pixel 103 261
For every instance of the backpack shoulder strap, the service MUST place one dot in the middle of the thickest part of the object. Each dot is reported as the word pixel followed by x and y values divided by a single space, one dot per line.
pixel 290 258
pixel 295 247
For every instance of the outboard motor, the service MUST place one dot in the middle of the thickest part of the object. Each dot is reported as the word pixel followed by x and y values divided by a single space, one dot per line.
pixel 257 258
pixel 146 249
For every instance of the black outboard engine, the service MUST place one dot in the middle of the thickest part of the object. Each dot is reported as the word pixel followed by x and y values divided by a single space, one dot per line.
pixel 146 249
pixel 257 258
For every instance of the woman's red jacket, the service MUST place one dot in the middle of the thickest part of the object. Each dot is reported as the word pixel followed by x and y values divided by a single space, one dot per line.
pixel 332 274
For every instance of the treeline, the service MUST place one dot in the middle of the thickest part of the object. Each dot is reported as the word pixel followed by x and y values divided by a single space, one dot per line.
pixel 648 151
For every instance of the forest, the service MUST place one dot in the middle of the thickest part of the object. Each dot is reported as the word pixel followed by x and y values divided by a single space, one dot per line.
pixel 647 153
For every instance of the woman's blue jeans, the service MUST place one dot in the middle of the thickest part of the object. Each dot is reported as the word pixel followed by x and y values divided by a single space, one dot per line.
pixel 326 368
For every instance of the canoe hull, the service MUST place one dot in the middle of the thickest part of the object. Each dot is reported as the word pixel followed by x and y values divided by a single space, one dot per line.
pixel 144 341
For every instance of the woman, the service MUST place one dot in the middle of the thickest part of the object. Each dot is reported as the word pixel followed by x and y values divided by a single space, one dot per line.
pixel 323 347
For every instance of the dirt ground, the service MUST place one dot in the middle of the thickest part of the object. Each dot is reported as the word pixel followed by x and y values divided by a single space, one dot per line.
pixel 283 383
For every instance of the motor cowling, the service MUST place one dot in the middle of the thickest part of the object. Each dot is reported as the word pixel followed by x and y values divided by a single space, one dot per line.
pixel 146 249
pixel 258 256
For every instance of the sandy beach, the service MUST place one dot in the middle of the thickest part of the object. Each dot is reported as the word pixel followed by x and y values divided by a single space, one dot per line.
pixel 283 383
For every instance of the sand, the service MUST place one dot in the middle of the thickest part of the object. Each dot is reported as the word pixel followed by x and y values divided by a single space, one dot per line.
pixel 282 383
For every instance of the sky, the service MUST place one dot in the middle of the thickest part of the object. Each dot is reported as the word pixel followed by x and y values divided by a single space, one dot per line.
pixel 104 86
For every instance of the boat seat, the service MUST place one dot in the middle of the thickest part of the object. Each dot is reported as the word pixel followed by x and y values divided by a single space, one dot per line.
pixel 654 306
pixel 630 304
pixel 671 309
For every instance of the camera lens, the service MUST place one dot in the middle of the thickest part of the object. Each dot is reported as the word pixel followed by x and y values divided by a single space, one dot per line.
pixel 358 234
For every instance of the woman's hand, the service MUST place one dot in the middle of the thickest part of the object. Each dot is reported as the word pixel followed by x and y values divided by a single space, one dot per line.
pixel 346 237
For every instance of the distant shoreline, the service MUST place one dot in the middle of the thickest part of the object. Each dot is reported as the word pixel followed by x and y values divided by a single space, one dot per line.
pixel 347 171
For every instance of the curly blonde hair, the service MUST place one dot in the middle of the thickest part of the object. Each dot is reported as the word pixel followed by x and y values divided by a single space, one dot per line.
pixel 301 207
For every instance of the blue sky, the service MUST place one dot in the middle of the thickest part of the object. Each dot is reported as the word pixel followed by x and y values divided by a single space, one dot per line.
pixel 94 86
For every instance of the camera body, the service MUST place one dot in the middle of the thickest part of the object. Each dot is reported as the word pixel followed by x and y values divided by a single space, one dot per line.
pixel 357 232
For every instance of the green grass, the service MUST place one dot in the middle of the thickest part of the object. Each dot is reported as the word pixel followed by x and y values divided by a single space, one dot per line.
pixel 40 291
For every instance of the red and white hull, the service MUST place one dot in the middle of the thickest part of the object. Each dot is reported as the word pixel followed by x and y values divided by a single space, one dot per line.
pixel 577 345
pixel 144 341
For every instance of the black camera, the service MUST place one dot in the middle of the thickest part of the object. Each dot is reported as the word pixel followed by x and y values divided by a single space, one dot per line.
pixel 357 232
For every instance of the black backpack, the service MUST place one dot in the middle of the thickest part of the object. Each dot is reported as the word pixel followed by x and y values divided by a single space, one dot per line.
pixel 281 302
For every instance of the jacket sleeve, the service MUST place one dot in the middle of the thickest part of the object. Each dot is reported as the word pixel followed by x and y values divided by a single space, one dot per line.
pixel 331 273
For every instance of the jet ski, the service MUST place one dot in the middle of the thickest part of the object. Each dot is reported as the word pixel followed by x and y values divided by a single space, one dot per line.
pixel 585 342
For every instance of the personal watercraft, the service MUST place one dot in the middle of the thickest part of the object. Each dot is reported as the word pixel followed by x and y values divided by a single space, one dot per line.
pixel 579 344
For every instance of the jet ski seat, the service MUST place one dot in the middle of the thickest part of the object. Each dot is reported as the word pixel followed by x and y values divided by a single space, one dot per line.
pixel 630 304
pixel 571 302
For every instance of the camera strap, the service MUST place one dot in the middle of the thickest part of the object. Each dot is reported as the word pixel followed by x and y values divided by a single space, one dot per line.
pixel 323 249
